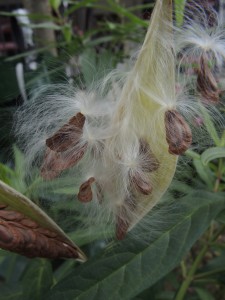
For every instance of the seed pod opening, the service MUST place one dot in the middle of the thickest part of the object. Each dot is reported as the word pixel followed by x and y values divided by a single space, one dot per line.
pixel 178 132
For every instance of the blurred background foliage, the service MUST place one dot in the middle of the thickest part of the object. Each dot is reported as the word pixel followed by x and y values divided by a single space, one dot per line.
pixel 76 42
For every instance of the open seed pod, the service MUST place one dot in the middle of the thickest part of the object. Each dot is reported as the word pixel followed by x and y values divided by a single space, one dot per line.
pixel 27 230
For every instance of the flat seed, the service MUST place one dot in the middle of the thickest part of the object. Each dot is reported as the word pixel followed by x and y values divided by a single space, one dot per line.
pixel 29 223
pixel 178 133
pixel 3 206
pixel 122 227
pixel 6 236
pixel 67 136
pixel 85 192
pixel 11 215
pixel 141 184
pixel 206 82
pixel 54 163
pixel 151 162
pixel 123 219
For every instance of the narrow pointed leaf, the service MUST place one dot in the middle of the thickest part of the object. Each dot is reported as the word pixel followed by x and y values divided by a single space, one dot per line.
pixel 211 154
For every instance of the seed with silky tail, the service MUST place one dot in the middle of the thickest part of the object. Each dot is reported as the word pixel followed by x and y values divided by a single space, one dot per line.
pixel 123 218
pixel 68 136
pixel 60 154
pixel 141 183
pixel 85 192
pixel 178 132
pixel 206 82
pixel 55 162
pixel 151 163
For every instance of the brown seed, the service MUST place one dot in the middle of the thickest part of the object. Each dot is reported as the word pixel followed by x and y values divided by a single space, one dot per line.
pixel 85 192
pixel 141 183
pixel 122 227
pixel 29 223
pixel 11 215
pixel 6 236
pixel 3 206
pixel 55 162
pixel 68 136
pixel 151 162
pixel 206 82
pixel 178 133
pixel 123 219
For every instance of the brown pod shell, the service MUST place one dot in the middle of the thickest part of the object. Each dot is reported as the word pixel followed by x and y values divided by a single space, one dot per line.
pixel 68 135
pixel 151 162
pixel 85 192
pixel 206 83
pixel 178 132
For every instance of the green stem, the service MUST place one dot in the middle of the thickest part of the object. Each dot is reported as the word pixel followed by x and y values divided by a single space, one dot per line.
pixel 192 154
pixel 186 283
pixel 219 174
pixel 190 276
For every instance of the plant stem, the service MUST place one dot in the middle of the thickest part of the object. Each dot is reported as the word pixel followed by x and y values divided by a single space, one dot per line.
pixel 190 276
pixel 182 291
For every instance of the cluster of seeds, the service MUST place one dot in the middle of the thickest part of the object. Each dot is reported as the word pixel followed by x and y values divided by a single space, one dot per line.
pixel 24 236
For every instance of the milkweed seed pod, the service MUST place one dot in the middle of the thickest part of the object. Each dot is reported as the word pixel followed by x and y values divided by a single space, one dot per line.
pixel 121 138
pixel 27 230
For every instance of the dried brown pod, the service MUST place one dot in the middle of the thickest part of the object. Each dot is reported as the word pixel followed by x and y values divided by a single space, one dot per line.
pixel 206 83
pixel 178 132
pixel 151 163
pixel 24 236
pixel 68 135
pixel 85 192
pixel 54 163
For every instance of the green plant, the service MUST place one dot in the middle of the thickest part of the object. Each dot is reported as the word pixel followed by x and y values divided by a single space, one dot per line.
pixel 177 250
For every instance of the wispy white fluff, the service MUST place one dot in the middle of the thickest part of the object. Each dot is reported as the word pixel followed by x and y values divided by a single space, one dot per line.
pixel 120 111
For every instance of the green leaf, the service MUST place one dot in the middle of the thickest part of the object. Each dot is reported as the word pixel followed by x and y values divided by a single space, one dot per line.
pixel 204 173
pixel 37 279
pixel 204 294
pixel 221 217
pixel 136 264
pixel 11 292
pixel 67 32
pixel 179 11
pixel 210 126
pixel 55 4
pixel 12 266
pixel 211 154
